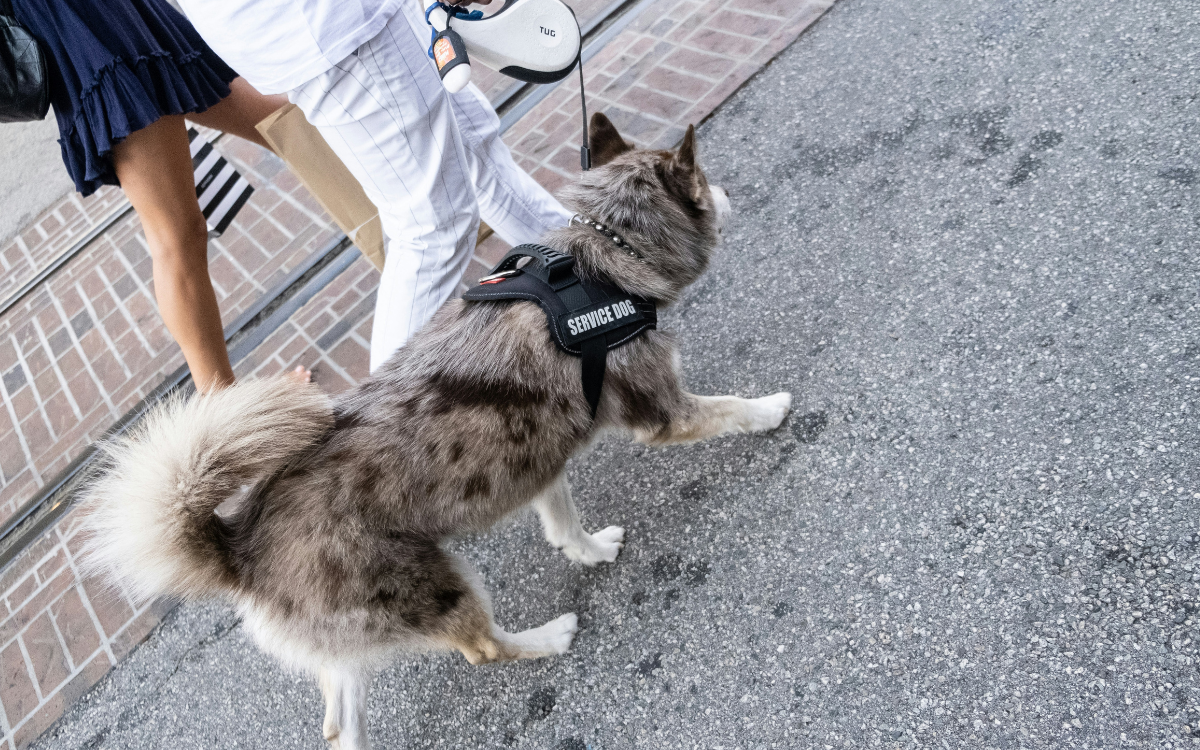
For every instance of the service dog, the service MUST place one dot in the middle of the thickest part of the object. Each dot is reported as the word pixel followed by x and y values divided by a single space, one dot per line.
pixel 334 557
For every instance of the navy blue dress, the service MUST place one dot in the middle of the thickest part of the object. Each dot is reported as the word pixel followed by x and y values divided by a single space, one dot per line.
pixel 117 66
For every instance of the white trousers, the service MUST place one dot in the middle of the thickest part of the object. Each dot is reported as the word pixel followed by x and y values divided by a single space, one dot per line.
pixel 432 162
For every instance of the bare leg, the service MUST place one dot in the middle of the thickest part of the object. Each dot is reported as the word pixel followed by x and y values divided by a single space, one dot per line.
pixel 239 112
pixel 345 691
pixel 709 416
pixel 154 166
pixel 560 520
pixel 155 170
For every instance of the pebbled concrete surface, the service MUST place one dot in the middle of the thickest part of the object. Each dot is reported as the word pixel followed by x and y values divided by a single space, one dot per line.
pixel 967 245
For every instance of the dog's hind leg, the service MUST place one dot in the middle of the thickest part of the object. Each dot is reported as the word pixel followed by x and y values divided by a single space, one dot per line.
pixel 345 691
pixel 703 417
pixel 560 520
pixel 470 628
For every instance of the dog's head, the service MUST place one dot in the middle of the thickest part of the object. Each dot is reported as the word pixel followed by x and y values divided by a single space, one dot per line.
pixel 659 202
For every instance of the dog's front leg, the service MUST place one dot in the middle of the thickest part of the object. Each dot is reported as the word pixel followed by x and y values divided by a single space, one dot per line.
pixel 560 520
pixel 345 691
pixel 703 417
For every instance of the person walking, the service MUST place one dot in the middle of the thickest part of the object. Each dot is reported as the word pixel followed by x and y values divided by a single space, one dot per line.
pixel 123 74
pixel 432 162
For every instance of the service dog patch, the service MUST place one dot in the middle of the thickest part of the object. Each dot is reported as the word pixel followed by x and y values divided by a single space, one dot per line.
pixel 598 319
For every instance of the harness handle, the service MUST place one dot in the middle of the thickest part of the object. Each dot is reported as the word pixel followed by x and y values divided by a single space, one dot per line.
pixel 548 264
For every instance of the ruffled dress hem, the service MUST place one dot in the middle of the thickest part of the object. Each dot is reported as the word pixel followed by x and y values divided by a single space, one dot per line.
pixel 129 96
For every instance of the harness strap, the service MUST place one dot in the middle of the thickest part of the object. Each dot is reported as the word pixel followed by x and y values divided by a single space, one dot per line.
pixel 595 362
pixel 585 319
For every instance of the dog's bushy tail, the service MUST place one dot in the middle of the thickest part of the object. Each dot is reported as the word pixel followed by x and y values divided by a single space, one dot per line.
pixel 149 519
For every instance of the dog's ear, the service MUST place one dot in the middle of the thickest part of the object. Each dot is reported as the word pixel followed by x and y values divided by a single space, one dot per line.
pixel 685 158
pixel 686 179
pixel 606 142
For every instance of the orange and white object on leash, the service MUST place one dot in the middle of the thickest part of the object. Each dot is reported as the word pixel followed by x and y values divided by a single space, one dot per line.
pixel 536 41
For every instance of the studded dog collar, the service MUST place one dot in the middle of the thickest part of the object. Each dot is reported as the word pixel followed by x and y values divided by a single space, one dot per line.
pixel 610 234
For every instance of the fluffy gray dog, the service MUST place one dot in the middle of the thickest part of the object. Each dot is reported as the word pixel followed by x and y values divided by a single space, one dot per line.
pixel 335 556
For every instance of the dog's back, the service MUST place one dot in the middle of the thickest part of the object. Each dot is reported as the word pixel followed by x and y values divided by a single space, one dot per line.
pixel 478 413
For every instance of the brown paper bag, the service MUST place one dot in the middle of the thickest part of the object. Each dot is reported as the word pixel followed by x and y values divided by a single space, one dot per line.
pixel 309 157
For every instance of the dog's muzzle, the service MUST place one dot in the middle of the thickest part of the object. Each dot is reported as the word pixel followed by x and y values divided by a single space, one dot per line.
pixel 721 203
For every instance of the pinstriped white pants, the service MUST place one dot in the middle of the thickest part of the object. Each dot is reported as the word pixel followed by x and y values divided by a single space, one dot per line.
pixel 432 162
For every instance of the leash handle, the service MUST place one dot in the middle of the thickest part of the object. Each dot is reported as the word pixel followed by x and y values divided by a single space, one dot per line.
pixel 446 47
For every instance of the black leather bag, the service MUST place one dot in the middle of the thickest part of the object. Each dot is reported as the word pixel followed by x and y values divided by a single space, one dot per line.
pixel 24 79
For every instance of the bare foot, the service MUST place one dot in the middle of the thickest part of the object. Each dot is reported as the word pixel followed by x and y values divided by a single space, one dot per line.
pixel 301 374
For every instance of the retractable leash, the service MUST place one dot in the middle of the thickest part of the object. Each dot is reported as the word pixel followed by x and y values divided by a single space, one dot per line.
pixel 536 41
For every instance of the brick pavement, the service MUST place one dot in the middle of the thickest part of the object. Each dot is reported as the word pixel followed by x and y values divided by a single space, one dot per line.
pixel 92 344
pixel 50 234
pixel 89 344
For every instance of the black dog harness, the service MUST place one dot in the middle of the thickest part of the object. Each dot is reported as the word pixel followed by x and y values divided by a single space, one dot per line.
pixel 586 319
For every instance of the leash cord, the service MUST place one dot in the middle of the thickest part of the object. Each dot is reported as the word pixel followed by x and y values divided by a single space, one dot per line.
pixel 585 151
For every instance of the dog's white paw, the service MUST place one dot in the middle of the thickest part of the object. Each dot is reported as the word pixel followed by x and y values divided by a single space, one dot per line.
pixel 560 632
pixel 548 640
pixel 608 543
pixel 603 546
pixel 770 411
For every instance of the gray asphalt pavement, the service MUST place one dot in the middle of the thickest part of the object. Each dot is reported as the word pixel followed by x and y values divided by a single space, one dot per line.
pixel 967 244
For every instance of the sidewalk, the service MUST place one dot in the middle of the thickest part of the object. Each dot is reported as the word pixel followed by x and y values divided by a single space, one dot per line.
pixel 78 354
pixel 967 247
